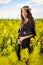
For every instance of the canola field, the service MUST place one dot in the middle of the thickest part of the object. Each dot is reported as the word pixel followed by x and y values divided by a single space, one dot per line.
pixel 9 46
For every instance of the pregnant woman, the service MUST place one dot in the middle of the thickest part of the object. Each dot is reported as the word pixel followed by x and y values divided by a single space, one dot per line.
pixel 26 30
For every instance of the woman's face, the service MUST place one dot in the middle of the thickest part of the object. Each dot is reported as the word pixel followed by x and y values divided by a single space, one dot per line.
pixel 24 13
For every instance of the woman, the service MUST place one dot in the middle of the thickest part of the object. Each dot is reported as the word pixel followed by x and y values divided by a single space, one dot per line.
pixel 26 30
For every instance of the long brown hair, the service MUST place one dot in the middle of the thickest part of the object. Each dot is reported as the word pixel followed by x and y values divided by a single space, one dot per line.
pixel 29 15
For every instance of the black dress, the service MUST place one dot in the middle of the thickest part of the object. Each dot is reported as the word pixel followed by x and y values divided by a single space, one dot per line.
pixel 25 30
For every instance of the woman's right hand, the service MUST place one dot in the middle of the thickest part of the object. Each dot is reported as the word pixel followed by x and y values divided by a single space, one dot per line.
pixel 19 41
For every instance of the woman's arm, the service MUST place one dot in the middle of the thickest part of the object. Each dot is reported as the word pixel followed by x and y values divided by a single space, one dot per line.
pixel 25 37
pixel 28 36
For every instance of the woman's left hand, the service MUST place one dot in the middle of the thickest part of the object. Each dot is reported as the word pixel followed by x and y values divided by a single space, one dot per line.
pixel 21 39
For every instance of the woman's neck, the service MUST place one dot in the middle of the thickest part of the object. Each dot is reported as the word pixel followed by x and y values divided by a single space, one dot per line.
pixel 26 20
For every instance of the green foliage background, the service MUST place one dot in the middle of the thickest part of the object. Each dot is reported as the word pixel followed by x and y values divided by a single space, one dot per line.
pixel 8 44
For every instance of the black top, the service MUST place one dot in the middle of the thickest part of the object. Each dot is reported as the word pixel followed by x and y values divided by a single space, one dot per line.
pixel 26 30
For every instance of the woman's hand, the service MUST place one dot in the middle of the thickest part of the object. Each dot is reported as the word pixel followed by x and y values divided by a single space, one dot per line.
pixel 21 39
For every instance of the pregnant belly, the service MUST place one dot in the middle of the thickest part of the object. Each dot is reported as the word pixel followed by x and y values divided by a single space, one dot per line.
pixel 21 35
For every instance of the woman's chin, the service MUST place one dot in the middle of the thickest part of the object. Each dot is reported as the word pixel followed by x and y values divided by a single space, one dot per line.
pixel 24 16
